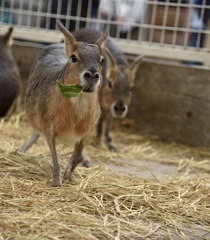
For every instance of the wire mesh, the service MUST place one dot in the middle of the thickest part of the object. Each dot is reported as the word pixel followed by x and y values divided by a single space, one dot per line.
pixel 176 29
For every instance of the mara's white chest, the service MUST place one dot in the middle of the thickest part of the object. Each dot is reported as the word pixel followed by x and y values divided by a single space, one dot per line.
pixel 83 116
pixel 82 103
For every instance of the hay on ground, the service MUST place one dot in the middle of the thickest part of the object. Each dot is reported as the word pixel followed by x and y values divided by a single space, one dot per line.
pixel 102 203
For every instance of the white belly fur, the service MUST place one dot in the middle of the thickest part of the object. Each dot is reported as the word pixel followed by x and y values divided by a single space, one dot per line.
pixel 81 106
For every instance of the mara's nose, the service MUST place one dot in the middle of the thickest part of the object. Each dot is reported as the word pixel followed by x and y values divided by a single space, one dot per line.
pixel 119 107
pixel 90 75
pixel 91 81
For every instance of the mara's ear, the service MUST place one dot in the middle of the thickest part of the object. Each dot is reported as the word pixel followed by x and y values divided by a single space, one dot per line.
pixel 8 37
pixel 69 38
pixel 110 59
pixel 102 40
pixel 132 68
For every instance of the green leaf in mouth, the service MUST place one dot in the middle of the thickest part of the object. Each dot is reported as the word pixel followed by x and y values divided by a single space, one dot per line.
pixel 69 91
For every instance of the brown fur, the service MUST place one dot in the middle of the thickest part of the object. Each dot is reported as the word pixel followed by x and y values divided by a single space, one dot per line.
pixel 81 118
pixel 56 116
pixel 119 76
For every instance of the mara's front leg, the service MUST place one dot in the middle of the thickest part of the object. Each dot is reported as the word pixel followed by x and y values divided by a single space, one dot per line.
pixel 56 168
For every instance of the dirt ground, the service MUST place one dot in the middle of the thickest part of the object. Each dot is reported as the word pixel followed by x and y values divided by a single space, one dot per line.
pixel 140 159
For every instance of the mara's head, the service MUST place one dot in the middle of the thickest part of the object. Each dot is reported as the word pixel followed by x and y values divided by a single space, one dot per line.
pixel 85 60
pixel 117 92
pixel 6 39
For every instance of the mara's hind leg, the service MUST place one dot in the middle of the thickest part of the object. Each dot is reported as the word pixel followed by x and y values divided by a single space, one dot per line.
pixel 76 158
pixel 108 139
pixel 99 129
pixel 29 143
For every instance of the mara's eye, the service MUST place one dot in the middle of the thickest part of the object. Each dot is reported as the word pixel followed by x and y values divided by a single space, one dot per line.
pixel 74 58
pixel 110 84
pixel 102 61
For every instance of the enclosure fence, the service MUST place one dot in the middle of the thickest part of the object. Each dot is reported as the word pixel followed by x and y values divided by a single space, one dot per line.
pixel 172 29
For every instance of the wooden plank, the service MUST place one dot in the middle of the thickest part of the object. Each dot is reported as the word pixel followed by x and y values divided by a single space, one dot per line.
pixel 173 102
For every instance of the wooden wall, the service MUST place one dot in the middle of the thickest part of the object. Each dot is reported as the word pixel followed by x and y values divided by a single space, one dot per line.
pixel 173 101
pixel 169 100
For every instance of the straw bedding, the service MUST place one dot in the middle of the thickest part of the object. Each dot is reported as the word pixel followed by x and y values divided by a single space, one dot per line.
pixel 102 203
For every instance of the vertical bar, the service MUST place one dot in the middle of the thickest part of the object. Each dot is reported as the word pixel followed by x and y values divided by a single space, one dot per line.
pixel 191 6
pixel 154 13
pixel 48 15
pixel 199 39
pixel 20 15
pixel 89 14
pixel 117 31
pixel 44 14
pixel 99 19
pixel 129 33
pixel 69 7
pixel 30 13
pixel 109 22
pixel 207 27
pixel 58 13
pixel 142 21
pixel 176 24
pixel 11 16
pixel 3 15
pixel 165 17
pixel 38 14
pixel 78 17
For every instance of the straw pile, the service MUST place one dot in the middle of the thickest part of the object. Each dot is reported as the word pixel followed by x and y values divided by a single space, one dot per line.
pixel 102 203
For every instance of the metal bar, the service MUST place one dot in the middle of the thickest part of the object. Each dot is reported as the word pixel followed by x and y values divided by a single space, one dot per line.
pixel 174 37
pixel 31 20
